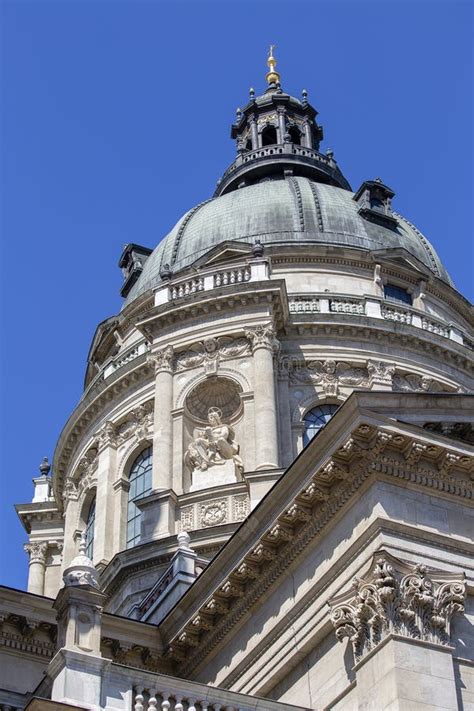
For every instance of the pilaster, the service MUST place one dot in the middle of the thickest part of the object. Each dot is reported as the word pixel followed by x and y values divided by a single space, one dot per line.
pixel 104 548
pixel 162 360
pixel 264 345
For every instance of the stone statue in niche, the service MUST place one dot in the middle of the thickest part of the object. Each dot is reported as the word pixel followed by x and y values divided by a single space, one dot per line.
pixel 213 447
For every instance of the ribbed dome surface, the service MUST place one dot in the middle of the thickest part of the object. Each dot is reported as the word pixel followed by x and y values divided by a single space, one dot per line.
pixel 280 212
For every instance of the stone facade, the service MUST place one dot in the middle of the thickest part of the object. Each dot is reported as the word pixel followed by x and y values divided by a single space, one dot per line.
pixel 199 554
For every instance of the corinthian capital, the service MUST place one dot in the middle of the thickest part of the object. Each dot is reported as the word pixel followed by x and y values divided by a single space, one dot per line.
pixel 262 337
pixel 162 360
pixel 37 552
pixel 398 598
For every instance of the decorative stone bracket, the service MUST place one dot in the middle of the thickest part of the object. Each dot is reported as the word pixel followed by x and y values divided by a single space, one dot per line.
pixel 412 601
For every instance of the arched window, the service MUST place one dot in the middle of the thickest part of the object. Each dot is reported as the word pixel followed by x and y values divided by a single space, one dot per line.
pixel 269 136
pixel 89 530
pixel 140 485
pixel 295 135
pixel 315 419
pixel 248 145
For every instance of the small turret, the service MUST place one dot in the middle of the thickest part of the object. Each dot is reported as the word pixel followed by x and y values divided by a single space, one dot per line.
pixel 277 136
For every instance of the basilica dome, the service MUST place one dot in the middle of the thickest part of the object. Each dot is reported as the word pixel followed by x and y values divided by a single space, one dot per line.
pixel 290 211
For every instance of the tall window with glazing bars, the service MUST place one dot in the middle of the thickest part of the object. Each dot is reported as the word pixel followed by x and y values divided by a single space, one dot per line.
pixel 140 485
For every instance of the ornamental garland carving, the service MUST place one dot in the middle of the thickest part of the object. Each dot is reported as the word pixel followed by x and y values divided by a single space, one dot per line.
pixel 398 598
pixel 414 383
pixel 138 424
pixel 209 352
pixel 329 374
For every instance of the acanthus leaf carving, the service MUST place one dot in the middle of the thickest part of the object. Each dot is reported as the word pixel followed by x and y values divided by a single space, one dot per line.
pixel 162 360
pixel 37 551
pixel 398 598
pixel 263 336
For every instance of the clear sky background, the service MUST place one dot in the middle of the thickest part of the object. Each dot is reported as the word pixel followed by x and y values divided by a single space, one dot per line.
pixel 116 119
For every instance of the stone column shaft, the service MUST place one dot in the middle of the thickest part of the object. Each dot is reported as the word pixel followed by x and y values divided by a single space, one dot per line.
pixel 307 135
pixel 286 444
pixel 281 126
pixel 264 343
pixel 37 567
pixel 162 477
pixel 254 133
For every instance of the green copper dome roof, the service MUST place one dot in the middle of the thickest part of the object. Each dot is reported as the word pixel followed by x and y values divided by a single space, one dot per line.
pixel 285 212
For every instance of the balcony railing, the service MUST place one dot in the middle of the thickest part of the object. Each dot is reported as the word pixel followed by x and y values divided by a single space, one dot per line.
pixel 157 691
pixel 373 307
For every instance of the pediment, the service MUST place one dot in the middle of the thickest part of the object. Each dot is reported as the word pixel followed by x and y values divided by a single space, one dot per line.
pixel 224 252
pixel 400 257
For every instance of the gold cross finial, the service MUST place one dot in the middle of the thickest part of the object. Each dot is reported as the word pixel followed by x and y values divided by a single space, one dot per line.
pixel 272 76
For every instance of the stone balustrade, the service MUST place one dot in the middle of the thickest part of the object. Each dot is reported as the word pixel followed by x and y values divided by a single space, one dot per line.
pixel 157 691
pixel 374 307
pixel 232 276
pixel 125 357
pixel 254 270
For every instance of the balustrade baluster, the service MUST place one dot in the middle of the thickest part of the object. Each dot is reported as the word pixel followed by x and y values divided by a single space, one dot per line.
pixel 152 702
pixel 138 698
pixel 166 703
pixel 178 704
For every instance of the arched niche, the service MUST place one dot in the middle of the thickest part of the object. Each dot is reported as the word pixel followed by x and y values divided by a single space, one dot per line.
pixel 212 432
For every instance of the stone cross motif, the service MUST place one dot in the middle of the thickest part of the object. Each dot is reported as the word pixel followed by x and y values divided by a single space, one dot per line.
pixel 213 445
pixel 398 598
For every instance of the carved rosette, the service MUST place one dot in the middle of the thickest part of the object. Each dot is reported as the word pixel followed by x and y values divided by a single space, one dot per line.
pixel 162 360
pixel 262 337
pixel 398 598
pixel 37 552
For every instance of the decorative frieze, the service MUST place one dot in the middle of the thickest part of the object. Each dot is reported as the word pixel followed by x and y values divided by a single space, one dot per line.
pixel 399 598
pixel 209 352
pixel 412 383
pixel 214 512
pixel 138 424
pixel 330 374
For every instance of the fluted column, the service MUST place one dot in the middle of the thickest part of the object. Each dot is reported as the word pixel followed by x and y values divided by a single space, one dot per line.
pixel 37 568
pixel 162 360
pixel 264 344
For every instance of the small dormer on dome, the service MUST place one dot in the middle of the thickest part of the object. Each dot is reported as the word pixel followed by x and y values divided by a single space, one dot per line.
pixel 277 136
pixel 375 201
pixel 131 263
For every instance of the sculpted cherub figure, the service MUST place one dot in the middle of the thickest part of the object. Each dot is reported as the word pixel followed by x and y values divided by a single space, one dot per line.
pixel 213 445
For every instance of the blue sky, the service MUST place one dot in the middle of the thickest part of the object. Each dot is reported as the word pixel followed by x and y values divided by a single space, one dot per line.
pixel 116 119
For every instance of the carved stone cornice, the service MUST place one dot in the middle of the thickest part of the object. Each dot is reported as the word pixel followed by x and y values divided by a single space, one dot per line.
pixel 366 452
pixel 37 551
pixel 262 336
pixel 162 360
pixel 399 598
